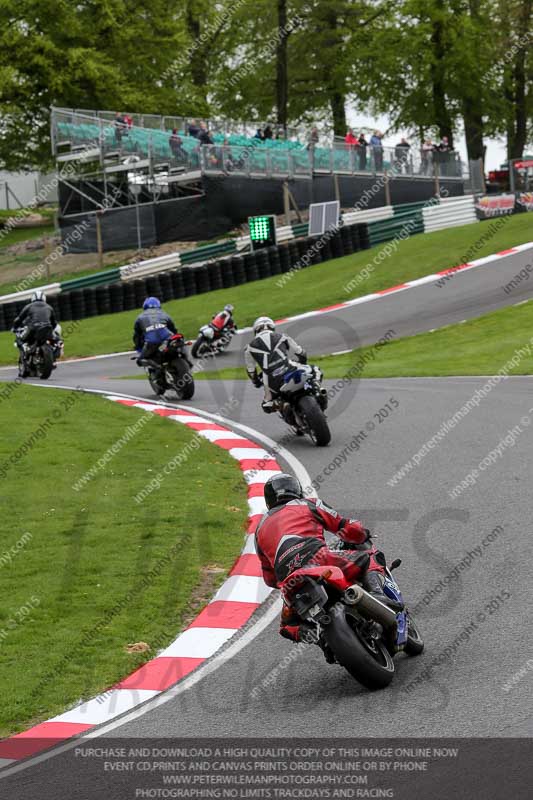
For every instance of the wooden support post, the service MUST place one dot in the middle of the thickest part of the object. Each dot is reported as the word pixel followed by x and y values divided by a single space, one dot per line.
pixel 387 189
pixel 99 240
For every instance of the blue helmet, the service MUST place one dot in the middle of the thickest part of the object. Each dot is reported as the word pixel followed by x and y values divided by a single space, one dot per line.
pixel 151 302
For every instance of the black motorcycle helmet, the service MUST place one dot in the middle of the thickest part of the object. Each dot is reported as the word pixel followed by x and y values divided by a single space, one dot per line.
pixel 281 488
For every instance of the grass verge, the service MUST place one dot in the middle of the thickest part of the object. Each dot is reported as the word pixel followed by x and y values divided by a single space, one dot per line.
pixel 78 554
pixel 319 285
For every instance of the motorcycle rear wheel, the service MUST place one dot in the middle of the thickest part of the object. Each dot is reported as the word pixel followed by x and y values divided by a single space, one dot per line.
pixel 46 362
pixel 315 420
pixel 184 382
pixel 370 663
pixel 157 386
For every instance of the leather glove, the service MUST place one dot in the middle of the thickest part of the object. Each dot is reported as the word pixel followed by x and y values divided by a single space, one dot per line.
pixel 257 382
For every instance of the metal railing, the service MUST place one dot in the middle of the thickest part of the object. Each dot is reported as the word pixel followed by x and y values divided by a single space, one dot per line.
pixel 215 125
pixel 254 158
pixel 293 162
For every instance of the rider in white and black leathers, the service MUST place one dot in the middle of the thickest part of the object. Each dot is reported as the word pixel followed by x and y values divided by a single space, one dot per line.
pixel 270 350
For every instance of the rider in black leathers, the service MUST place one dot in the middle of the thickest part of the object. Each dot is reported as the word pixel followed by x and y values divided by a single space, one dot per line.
pixel 37 321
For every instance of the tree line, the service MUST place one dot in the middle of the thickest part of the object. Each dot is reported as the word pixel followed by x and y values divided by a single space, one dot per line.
pixel 433 66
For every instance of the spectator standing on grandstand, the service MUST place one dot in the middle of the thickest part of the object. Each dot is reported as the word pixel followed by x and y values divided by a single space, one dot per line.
pixel 204 137
pixel 176 143
pixel 193 129
pixel 259 135
pixel 443 145
pixel 128 120
pixel 426 153
pixel 267 133
pixel 401 154
pixel 312 139
pixel 121 127
pixel 377 150
pixel 350 138
pixel 361 146
pixel 442 154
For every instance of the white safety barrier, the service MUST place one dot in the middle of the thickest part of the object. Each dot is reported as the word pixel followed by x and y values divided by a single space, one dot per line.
pixel 450 213
pixel 368 215
pixel 50 289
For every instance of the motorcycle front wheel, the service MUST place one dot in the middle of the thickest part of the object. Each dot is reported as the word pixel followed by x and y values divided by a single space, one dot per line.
pixel 365 658
pixel 414 644
pixel 315 420
pixel 200 348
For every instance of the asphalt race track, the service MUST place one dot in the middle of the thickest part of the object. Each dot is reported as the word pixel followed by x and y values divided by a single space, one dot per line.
pixel 482 616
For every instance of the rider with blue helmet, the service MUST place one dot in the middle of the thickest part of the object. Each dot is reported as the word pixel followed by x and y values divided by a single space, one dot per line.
pixel 151 329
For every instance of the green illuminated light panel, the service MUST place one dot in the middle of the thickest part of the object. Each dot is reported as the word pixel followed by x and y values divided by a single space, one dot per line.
pixel 262 231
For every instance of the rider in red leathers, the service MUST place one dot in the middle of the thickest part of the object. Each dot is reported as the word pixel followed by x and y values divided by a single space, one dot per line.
pixel 224 320
pixel 291 535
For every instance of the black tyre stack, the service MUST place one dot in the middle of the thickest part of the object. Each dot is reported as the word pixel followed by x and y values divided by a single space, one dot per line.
pixel 189 281
pixel 337 250
pixel 65 308
pixel 226 271
pixel 167 291
pixel 139 286
pixel 304 256
pixel 103 302
pixel 10 312
pixel 294 253
pixel 202 279
pixel 89 298
pixel 274 260
pixel 77 304
pixel 153 286
pixel 364 239
pixel 237 265
pixel 177 284
pixel 354 233
pixel 129 296
pixel 116 297
pixel 346 238
pixel 2 318
pixel 215 274
pixel 251 267
pixel 263 264
pixel 284 257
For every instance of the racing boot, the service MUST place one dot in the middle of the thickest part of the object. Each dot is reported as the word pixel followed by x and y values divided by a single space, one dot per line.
pixel 306 633
pixel 268 406
pixel 373 584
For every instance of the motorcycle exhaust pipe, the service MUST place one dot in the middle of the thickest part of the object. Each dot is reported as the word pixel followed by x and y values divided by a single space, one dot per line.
pixel 369 607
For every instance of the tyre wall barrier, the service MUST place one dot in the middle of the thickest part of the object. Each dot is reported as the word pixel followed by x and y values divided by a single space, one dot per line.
pixel 88 298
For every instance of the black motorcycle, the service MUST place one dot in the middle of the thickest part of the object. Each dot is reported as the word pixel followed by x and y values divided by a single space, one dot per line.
pixel 302 402
pixel 38 358
pixel 172 369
